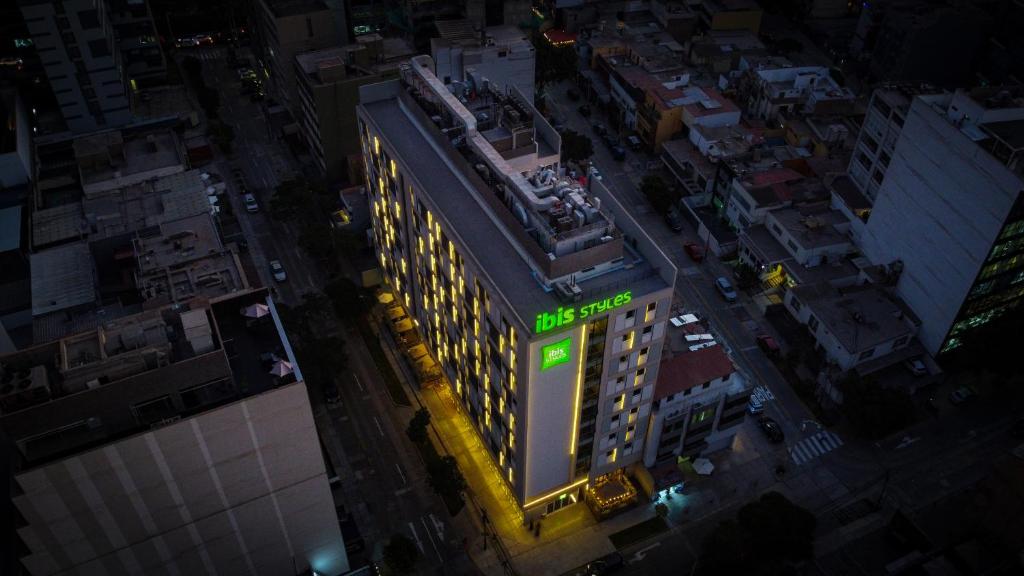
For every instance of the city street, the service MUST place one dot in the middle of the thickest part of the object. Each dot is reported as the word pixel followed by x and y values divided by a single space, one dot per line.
pixel 380 480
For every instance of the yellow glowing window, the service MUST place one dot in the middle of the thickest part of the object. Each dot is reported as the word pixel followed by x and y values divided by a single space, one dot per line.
pixel 458 386
pixel 501 404
pixel 611 455
pixel 627 340
pixel 511 424
pixel 638 380
pixel 376 145
pixel 511 440
pixel 510 475
pixel 501 343
pixel 394 169
pixel 398 209
pixel 651 311
pixel 512 381
pixel 501 458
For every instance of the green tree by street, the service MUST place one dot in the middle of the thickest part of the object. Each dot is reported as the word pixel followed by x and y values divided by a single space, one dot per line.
pixel 576 147
pixel 553 63
pixel 445 477
pixel 657 192
pixel 417 430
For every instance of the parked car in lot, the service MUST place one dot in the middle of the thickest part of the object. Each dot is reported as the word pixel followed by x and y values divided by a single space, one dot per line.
pixel 771 429
pixel 584 110
pixel 694 251
pixel 277 271
pixel 768 345
pixel 674 221
pixel 963 395
pixel 251 205
pixel 725 289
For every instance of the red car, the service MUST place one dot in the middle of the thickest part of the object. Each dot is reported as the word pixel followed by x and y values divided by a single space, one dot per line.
pixel 694 251
pixel 768 345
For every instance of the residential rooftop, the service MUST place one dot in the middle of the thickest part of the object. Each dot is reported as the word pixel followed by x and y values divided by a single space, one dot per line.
pixel 111 159
pixel 813 226
pixel 688 370
pixel 992 117
pixel 860 317
pixel 138 371
pixel 62 278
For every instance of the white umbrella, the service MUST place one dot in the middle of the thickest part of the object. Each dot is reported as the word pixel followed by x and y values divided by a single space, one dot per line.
pixel 703 466
pixel 281 368
pixel 256 311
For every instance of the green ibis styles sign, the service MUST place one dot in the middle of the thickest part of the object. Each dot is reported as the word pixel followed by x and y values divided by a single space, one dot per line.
pixel 564 316
pixel 554 354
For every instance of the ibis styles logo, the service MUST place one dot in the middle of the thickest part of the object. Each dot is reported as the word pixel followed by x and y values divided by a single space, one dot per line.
pixel 566 316
pixel 555 354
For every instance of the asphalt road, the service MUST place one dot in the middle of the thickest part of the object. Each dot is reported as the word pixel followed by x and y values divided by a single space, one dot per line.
pixel 383 483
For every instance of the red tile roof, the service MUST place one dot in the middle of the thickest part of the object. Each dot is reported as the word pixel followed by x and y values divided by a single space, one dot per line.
pixel 691 369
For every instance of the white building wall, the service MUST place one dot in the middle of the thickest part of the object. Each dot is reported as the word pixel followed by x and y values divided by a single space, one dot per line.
pixel 241 489
pixel 940 208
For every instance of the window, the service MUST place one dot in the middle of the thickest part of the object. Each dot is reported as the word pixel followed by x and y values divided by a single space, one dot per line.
pixel 642 359
pixel 648 330
pixel 638 380
pixel 900 341
pixel 154 411
pixel 636 395
pixel 795 303
pixel 99 48
pixel 812 323
pixel 611 437
pixel 609 456
pixel 867 354
pixel 871 143
pixel 89 19
pixel 877 176
pixel 620 401
pixel 630 314
pixel 651 311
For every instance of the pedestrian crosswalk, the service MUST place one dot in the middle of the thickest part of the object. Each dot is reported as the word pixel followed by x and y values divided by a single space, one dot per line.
pixel 207 54
pixel 762 394
pixel 813 446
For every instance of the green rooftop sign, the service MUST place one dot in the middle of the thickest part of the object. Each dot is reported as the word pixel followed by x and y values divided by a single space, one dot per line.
pixel 554 354
pixel 565 316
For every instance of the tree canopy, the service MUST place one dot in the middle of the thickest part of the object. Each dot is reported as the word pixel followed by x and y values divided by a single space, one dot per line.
pixel 576 146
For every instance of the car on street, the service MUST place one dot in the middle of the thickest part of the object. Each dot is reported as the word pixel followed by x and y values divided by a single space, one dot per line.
pixel 694 251
pixel 277 271
pixel 674 221
pixel 963 395
pixel 251 205
pixel 595 174
pixel 771 429
pixel 573 94
pixel 634 143
pixel 725 288
pixel 606 564
pixel 768 345
pixel 916 367
pixel 584 110
pixel 755 406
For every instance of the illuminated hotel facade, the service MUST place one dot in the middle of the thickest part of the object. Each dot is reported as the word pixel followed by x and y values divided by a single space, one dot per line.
pixel 542 300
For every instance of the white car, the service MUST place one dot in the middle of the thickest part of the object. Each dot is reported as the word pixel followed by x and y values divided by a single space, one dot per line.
pixel 595 174
pixel 277 271
pixel 250 203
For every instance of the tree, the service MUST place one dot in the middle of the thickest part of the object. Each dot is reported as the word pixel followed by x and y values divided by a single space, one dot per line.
pixel 222 134
pixel 401 554
pixel 767 537
pixel 193 68
pixel 576 146
pixel 445 476
pixel 417 430
pixel 875 411
pixel 317 240
pixel 553 63
pixel 290 197
pixel 657 193
pixel 746 277
pixel 349 300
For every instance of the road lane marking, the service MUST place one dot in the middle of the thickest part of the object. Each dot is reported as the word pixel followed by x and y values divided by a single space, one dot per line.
pixel 379 429
pixel 431 538
pixel 400 475
pixel 359 384
pixel 416 538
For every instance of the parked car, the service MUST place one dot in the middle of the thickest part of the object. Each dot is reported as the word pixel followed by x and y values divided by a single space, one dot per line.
pixel 754 406
pixel 694 251
pixel 634 143
pixel 277 271
pixel 963 395
pixel 573 94
pixel 674 221
pixel 768 345
pixel 595 174
pixel 725 289
pixel 251 205
pixel 771 429
pixel 606 564
pixel 584 110
pixel 916 367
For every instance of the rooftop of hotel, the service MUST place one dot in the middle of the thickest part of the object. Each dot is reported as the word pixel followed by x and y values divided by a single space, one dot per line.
pixel 541 225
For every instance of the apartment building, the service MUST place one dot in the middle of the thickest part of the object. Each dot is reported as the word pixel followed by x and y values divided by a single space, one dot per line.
pixel 543 300
pixel 137 41
pixel 75 42
pixel 948 215
pixel 770 87
pixel 501 55
pixel 286 28
pixel 699 403
pixel 179 440
pixel 328 84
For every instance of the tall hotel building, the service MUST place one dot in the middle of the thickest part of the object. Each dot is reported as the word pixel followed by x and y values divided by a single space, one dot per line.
pixel 543 301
